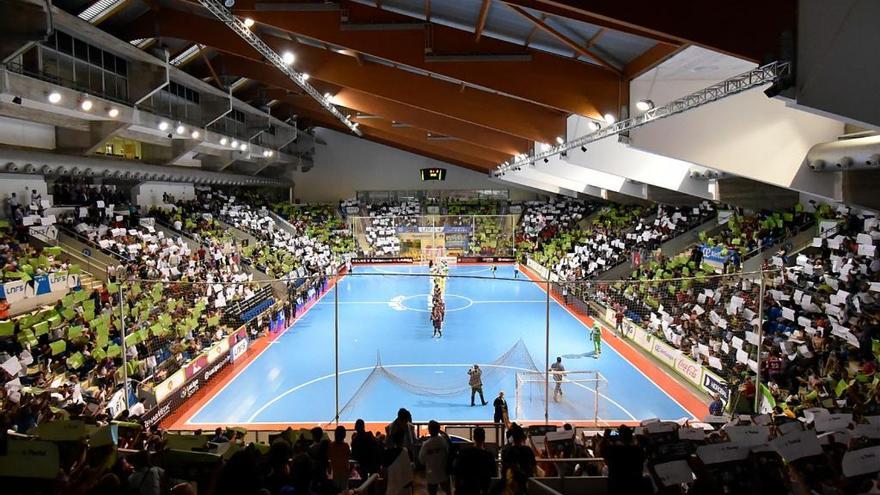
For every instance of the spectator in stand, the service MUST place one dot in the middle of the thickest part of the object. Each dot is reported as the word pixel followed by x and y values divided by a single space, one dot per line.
pixel 365 449
pixel 434 454
pixel 398 472
pixel 474 467
pixel 339 453
pixel 625 461
pixel 716 407
pixel 517 460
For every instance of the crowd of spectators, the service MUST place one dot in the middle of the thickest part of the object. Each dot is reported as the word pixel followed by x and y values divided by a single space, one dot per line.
pixel 819 330
pixel 384 220
pixel 818 452
pixel 319 222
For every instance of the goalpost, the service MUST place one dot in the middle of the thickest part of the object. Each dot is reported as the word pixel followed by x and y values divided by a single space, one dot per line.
pixel 567 391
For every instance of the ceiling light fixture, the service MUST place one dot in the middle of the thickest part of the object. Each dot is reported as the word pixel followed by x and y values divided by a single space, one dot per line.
pixel 559 140
pixel 163 126
pixel 288 57
pixel 223 141
pixel 113 112
pixel 54 97
pixel 610 118
pixel 86 105
pixel 180 129
pixel 234 143
pixel 195 134
pixel 595 126
pixel 243 147
pixel 644 105
pixel 248 22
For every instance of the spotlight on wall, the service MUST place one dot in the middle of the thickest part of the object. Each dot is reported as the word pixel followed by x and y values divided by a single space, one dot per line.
pixel 229 4
pixel 54 97
pixel 223 141
pixel 86 105
pixel 288 58
pixel 180 129
pixel 195 134
pixel 243 147
pixel 559 140
pixel 163 126
pixel 595 126
pixel 234 143
pixel 305 76
pixel 610 118
pixel 248 22
pixel 113 112
pixel 644 105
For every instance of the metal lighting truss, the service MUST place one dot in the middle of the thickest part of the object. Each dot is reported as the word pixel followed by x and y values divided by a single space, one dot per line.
pixel 221 13
pixel 760 76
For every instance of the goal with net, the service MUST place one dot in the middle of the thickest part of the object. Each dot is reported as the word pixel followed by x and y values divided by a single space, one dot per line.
pixel 561 395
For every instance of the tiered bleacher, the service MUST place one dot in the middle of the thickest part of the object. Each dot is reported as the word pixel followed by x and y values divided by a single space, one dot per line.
pixel 381 233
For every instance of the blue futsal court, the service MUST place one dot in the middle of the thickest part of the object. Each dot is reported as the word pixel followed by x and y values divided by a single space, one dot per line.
pixel 383 318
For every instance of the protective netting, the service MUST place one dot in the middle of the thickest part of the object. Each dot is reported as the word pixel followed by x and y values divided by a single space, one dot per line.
pixel 392 234
pixel 573 395
pixel 703 326
pixel 516 359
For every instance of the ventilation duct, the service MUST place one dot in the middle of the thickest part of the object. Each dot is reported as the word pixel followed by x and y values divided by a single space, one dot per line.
pixel 76 171
pixel 30 168
pixel 861 153
pixel 47 170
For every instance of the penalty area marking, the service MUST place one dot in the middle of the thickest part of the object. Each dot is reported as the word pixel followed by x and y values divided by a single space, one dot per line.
pixel 295 388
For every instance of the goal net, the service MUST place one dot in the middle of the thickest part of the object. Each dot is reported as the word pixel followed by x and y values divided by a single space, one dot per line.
pixel 568 394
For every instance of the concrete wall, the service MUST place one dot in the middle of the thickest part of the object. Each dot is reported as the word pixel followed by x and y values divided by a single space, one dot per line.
pixel 147 194
pixel 347 164
pixel 18 132
pixel 21 185
pixel 748 134
pixel 837 70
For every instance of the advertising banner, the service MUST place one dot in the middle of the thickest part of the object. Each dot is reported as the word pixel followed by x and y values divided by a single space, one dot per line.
pixel 381 260
pixel 14 291
pixel 712 255
pixel 665 353
pixel 45 232
pixel 689 369
pixel 188 380
pixel 58 281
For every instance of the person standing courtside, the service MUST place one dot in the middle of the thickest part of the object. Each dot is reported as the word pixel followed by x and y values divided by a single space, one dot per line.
pixel 500 409
pixel 476 383
pixel 558 370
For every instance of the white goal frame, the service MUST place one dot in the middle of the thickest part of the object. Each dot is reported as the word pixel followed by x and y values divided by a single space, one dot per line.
pixel 591 379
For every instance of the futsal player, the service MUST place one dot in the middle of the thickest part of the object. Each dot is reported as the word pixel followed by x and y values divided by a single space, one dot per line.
pixel 500 406
pixel 515 270
pixel 494 269
pixel 596 335
pixel 558 370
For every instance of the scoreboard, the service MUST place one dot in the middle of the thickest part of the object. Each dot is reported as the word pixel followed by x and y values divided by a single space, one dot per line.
pixel 433 174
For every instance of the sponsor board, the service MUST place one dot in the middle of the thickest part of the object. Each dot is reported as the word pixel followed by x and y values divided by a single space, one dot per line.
pixel 689 369
pixel 359 261
pixel 486 259
pixel 664 353
pixel 49 232
pixel 239 349
pixel 712 383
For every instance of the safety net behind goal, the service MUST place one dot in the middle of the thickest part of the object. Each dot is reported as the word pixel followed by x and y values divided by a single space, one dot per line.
pixel 581 395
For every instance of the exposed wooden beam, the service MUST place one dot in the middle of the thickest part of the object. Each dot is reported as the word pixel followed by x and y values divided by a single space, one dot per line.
pixel 210 68
pixel 564 39
pixel 593 39
pixel 481 20
pixel 534 31
pixel 427 10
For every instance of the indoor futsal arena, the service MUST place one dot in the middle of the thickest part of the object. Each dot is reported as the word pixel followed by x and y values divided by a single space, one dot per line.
pixel 404 247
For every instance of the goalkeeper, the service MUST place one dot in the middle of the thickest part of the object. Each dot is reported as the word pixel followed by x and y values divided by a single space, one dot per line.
pixel 596 335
